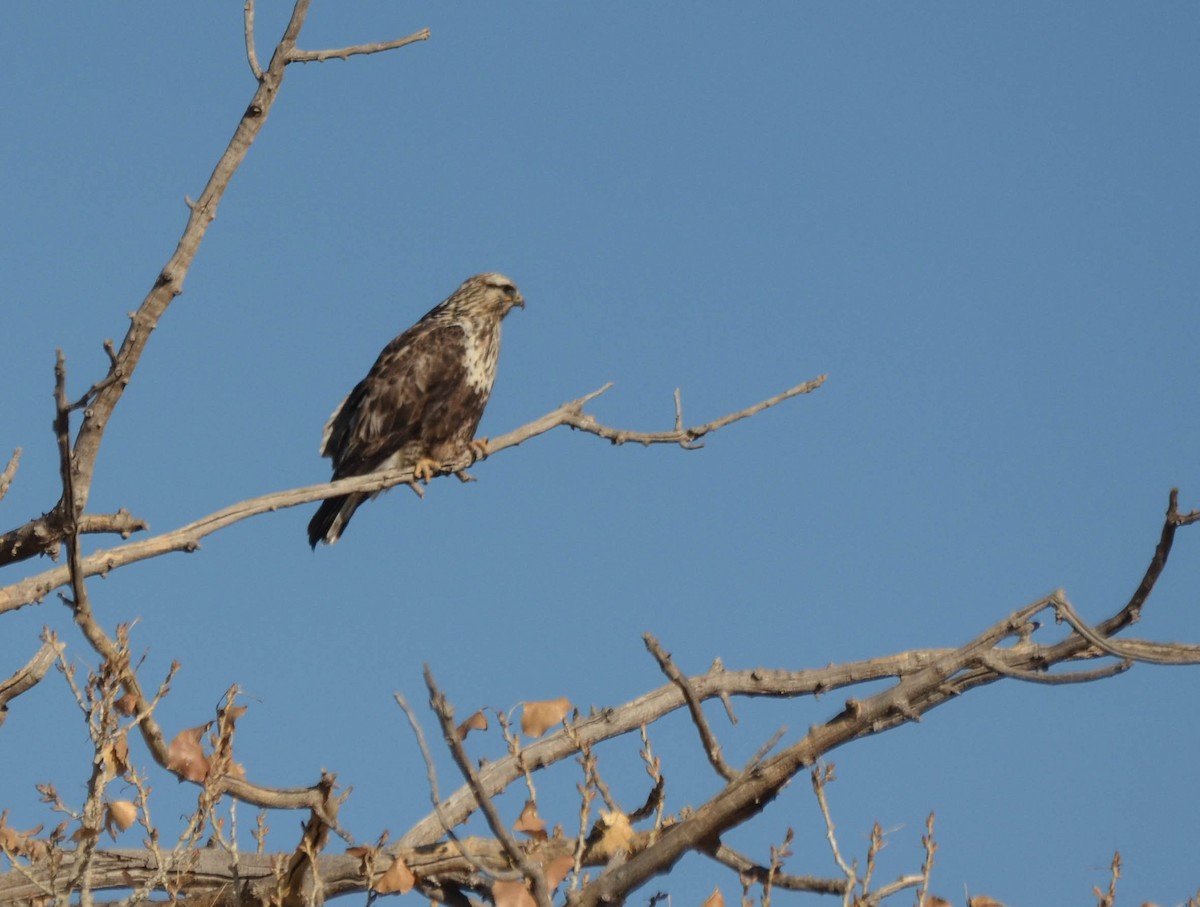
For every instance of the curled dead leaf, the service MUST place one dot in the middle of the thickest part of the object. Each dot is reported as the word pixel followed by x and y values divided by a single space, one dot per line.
pixel 477 722
pixel 531 823
pixel 185 756
pixel 398 879
pixel 538 717
pixel 611 833
pixel 716 899
pixel 115 756
pixel 127 705
pixel 119 814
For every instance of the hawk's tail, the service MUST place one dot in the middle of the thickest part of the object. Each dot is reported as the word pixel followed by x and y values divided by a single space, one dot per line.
pixel 332 517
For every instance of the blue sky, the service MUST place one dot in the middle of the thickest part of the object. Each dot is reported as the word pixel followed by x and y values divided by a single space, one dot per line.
pixel 981 221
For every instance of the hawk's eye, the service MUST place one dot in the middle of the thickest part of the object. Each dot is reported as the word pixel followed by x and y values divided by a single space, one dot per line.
pixel 508 289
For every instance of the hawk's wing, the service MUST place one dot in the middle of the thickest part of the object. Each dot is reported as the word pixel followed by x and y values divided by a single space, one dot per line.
pixel 409 391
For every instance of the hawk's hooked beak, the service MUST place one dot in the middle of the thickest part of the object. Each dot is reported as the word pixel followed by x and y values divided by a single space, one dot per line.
pixel 518 300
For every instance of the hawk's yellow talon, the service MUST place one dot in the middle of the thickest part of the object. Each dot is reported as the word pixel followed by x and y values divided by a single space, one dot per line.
pixel 425 469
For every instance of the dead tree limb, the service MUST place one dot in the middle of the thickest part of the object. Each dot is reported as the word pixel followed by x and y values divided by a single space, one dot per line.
pixel 187 538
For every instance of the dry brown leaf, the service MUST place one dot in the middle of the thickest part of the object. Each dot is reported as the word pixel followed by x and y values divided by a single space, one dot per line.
pixel 115 756
pixel 539 716
pixel 397 880
pixel 716 899
pixel 477 722
pixel 531 823
pixel 20 843
pixel 185 756
pixel 119 814
pixel 127 704
pixel 512 894
pixel 934 901
pixel 362 851
pixel 557 869
pixel 982 900
pixel 611 833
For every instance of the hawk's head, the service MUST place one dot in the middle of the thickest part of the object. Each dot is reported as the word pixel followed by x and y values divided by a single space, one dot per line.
pixel 486 294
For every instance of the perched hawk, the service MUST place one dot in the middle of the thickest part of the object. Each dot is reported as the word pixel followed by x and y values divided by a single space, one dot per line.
pixel 421 402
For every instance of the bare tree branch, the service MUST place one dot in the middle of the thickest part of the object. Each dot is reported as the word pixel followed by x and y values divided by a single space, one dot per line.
pixel 711 747
pixel 10 470
pixel 29 676
pixel 187 538
pixel 44 535
pixel 251 53
pixel 344 53
pixel 921 680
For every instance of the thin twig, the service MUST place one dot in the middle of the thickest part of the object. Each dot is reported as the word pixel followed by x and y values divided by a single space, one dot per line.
pixel 711 747
pixel 10 470
pixel 821 776
pixel 756 872
pixel 445 715
pixel 930 846
pixel 251 53
pixel 344 53
pixel 1130 650
pixel 436 797
pixel 993 663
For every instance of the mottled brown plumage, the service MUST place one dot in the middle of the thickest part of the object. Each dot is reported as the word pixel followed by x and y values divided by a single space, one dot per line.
pixel 421 402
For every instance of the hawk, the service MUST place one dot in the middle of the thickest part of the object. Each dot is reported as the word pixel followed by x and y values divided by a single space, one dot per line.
pixel 421 401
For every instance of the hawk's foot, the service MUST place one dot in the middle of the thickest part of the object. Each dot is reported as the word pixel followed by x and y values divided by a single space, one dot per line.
pixel 479 448
pixel 425 469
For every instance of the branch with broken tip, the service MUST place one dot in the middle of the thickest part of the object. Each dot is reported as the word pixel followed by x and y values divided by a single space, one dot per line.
pixel 187 538
pixel 33 671
pixel 42 537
